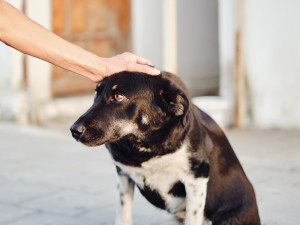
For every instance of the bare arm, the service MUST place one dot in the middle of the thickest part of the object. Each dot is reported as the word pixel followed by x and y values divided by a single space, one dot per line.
pixel 25 35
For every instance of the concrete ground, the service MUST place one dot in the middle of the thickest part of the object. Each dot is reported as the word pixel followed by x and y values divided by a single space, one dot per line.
pixel 47 178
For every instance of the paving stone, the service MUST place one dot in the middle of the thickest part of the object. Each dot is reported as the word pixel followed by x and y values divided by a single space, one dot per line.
pixel 145 213
pixel 101 216
pixel 52 219
pixel 47 178
pixel 9 214
pixel 16 192
pixel 70 202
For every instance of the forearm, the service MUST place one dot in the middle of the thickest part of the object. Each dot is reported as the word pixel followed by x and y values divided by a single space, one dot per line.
pixel 27 36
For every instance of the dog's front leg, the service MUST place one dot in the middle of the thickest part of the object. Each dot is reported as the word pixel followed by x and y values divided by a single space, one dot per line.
pixel 195 199
pixel 126 190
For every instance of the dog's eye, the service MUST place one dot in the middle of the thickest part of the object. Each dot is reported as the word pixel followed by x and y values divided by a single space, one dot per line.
pixel 118 97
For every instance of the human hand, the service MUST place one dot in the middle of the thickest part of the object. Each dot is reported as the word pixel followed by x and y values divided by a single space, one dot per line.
pixel 128 62
pixel 16 30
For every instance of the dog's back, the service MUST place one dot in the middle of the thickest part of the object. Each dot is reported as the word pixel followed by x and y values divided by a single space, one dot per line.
pixel 230 195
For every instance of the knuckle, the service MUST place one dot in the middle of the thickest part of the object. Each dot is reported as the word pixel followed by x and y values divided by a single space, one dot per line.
pixel 126 53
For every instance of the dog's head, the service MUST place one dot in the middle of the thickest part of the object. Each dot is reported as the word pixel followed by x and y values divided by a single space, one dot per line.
pixel 131 104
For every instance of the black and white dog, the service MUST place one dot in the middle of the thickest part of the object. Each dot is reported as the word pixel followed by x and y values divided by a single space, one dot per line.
pixel 172 151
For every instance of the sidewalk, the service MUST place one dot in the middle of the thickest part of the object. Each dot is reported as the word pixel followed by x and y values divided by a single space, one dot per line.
pixel 47 178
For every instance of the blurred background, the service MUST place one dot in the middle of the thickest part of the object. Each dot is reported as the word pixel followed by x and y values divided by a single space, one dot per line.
pixel 244 53
pixel 239 58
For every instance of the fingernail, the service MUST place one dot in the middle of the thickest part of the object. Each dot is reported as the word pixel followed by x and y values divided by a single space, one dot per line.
pixel 156 72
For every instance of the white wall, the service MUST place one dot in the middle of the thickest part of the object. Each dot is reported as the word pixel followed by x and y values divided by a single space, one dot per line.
pixel 39 72
pixel 10 66
pixel 198 46
pixel 227 30
pixel 272 58
pixel 5 68
pixel 17 101
pixel 5 75
pixel 197 39
pixel 147 26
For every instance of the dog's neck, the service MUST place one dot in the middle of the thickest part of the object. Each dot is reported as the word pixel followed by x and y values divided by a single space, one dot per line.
pixel 162 141
pixel 133 151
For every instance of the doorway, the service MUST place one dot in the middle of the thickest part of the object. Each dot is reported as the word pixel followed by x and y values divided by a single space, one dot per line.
pixel 99 26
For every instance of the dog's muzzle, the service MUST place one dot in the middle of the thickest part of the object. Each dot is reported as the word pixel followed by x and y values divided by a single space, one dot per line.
pixel 77 130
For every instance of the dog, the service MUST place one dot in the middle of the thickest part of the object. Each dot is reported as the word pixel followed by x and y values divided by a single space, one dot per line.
pixel 175 154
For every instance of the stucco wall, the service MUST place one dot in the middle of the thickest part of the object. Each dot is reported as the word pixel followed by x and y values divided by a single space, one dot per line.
pixel 147 35
pixel 16 101
pixel 5 84
pixel 271 43
pixel 6 91
pixel 39 72
pixel 227 29
pixel 272 59
pixel 197 39
pixel 5 68
pixel 198 46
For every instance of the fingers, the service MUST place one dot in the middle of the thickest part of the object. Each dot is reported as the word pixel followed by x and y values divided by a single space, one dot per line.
pixel 134 67
pixel 140 64
pixel 131 63
pixel 141 60
pixel 134 58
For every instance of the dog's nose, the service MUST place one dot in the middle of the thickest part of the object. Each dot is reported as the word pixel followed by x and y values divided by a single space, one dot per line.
pixel 77 130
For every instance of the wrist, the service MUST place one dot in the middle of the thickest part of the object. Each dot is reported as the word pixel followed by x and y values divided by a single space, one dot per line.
pixel 96 68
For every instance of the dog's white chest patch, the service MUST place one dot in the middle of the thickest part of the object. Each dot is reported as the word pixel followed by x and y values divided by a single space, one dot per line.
pixel 161 173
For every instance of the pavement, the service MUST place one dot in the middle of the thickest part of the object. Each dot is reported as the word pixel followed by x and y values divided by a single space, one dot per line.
pixel 47 178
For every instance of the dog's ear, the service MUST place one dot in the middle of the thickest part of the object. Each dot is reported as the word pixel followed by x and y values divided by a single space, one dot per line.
pixel 173 100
